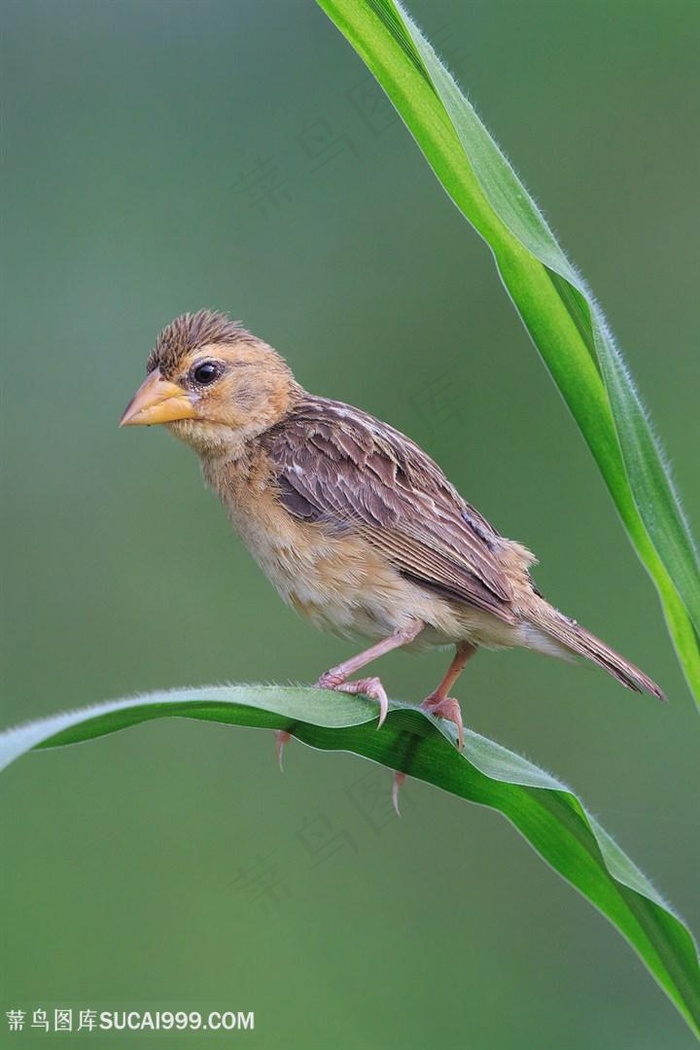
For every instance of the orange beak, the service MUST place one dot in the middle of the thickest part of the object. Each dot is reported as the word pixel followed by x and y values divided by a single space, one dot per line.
pixel 157 400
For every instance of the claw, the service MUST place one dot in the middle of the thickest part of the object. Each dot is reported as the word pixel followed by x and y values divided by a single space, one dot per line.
pixel 371 687
pixel 446 707
pixel 281 738
pixel 398 781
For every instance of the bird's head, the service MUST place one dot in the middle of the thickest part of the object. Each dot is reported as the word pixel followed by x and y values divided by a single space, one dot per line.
pixel 214 384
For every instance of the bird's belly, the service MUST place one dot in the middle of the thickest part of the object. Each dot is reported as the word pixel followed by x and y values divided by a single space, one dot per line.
pixel 342 585
pixel 338 586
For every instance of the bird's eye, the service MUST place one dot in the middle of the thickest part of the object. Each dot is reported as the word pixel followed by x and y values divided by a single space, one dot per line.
pixel 205 373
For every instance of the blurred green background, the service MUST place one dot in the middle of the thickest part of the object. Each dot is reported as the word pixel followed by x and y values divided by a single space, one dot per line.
pixel 166 156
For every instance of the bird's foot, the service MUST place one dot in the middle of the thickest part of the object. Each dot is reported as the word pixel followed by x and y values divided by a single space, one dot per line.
pixel 371 687
pixel 281 738
pixel 446 707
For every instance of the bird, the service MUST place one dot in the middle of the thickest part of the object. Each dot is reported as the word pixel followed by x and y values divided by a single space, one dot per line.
pixel 358 529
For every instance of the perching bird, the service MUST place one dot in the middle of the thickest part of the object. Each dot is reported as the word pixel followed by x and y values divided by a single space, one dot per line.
pixel 357 528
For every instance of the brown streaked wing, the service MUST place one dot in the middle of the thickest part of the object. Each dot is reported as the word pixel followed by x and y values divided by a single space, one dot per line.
pixel 345 469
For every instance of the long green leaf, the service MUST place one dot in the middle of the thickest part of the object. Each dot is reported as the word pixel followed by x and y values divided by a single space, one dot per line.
pixel 564 321
pixel 544 811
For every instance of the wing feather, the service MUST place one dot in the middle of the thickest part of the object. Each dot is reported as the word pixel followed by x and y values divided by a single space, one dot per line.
pixel 346 470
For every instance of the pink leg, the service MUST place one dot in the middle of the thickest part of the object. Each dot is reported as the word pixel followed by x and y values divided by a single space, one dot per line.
pixel 337 677
pixel 439 703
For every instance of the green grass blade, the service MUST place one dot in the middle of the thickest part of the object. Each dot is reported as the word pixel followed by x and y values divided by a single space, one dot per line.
pixel 559 312
pixel 543 810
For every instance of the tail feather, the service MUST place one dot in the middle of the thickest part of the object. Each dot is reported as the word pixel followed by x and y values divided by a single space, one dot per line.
pixel 577 640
